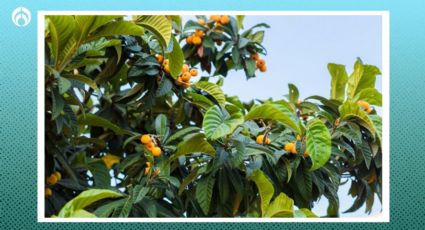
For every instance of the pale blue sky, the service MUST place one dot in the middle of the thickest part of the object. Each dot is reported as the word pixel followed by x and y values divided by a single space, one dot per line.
pixel 299 49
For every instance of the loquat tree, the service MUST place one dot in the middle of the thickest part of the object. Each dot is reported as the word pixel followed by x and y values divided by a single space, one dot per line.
pixel 137 124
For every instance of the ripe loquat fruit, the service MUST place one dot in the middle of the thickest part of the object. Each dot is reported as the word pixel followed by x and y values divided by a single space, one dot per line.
pixel 145 139
pixel 185 68
pixel 194 72
pixel 363 104
pixel 263 68
pixel 48 192
pixel 167 68
pixel 215 18
pixel 58 175
pixel 156 151
pixel 201 21
pixel 260 62
pixel 224 19
pixel 255 56
pixel 52 179
pixel 196 40
pixel 199 33
pixel 159 58
pixel 186 77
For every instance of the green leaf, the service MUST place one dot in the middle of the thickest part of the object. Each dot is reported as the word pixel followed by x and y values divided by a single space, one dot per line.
pixel 204 192
pixel 161 125
pixel 194 144
pixel 107 209
pixel 370 95
pixel 81 78
pixel 93 120
pixel 318 143
pixel 61 29
pixel 212 89
pixel 338 82
pixel 363 77
pixel 181 133
pixel 200 100
pixel 118 28
pixel 293 93
pixel 377 124
pixel 274 112
pixel 304 212
pixel 176 59
pixel 100 173
pixel 350 110
pixel 63 85
pixel 158 25
pixel 81 213
pixel 239 21
pixel 282 206
pixel 85 199
pixel 218 122
pixel 265 189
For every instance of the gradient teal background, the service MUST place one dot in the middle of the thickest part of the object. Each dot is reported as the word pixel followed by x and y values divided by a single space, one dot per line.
pixel 18 123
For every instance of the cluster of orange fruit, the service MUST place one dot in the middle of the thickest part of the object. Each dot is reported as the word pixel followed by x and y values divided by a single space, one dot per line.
pixel 366 107
pixel 187 74
pixel 263 140
pixel 150 145
pixel 219 19
pixel 164 62
pixel 261 63
pixel 148 168
pixel 51 180
pixel 292 147
pixel 195 38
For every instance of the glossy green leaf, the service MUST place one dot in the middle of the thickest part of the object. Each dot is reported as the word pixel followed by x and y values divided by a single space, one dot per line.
pixel 363 77
pixel 265 189
pixel 282 206
pixel 318 143
pixel 93 120
pixel 118 28
pixel 293 93
pixel 339 81
pixel 218 122
pixel 181 133
pixel 274 112
pixel 176 59
pixel 85 199
pixel 158 25
pixel 204 192
pixel 212 89
pixel 195 144
pixel 350 110
pixel 304 213
pixel 370 95
pixel 377 124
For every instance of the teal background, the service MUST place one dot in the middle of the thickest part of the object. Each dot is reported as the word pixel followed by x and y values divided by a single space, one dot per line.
pixel 18 106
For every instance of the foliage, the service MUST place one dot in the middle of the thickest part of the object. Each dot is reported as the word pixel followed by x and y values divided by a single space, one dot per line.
pixel 112 83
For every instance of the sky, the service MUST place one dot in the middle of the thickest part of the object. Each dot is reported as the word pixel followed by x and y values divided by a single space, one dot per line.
pixel 298 51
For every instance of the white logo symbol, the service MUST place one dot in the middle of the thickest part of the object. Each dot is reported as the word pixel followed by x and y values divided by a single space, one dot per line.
pixel 21 16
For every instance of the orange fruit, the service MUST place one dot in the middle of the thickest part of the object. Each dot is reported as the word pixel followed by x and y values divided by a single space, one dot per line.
pixel 186 85
pixel 145 139
pixel 201 21
pixel 267 141
pixel 298 137
pixel 260 139
pixel 196 40
pixel 58 175
pixel 224 19
pixel 189 39
pixel 369 110
pixel 165 62
pixel 363 104
pixel 261 62
pixel 215 18
pixel 156 151
pixel 306 154
pixel 150 145
pixel 185 68
pixel 255 56
pixel 194 72
pixel 263 68
pixel 179 81
pixel 290 147
pixel 199 33
pixel 186 77
pixel 159 58
pixel 48 192
pixel 147 169
pixel 167 68
pixel 52 179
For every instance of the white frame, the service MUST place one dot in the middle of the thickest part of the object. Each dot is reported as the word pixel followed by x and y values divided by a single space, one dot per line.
pixel 384 216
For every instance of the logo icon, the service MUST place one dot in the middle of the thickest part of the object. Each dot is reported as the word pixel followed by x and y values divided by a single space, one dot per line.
pixel 21 16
